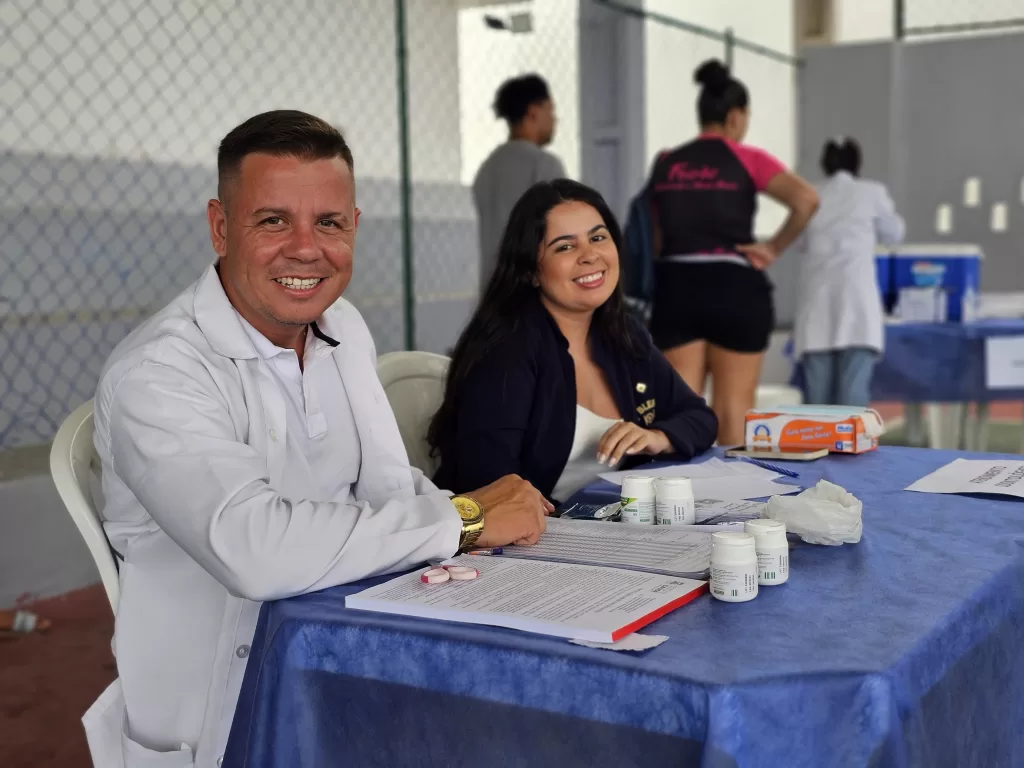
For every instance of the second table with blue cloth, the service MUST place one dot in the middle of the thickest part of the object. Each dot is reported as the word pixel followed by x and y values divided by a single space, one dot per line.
pixel 941 363
pixel 906 649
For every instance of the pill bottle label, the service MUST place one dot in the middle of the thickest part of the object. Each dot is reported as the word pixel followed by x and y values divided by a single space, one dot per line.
pixel 638 511
pixel 734 583
pixel 676 512
pixel 773 567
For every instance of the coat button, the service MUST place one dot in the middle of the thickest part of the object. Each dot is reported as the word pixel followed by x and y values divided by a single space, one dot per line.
pixel 273 435
pixel 242 651
pixel 220 761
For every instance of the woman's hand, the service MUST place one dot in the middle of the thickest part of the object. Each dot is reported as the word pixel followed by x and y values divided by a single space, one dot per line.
pixel 760 255
pixel 627 439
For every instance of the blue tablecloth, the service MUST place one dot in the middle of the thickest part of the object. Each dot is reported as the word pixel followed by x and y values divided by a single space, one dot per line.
pixel 906 649
pixel 940 363
pixel 935 363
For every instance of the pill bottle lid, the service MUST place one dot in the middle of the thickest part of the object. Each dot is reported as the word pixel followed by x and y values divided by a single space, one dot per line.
pixel 732 539
pixel 634 481
pixel 675 484
pixel 767 533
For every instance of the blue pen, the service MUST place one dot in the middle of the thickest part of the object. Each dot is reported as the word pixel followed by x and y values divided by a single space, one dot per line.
pixel 771 467
pixel 491 551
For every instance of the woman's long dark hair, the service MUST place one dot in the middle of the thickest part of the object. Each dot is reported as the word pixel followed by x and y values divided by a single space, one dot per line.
pixel 511 290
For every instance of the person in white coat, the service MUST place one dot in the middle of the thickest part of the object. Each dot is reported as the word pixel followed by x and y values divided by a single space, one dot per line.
pixel 840 329
pixel 249 453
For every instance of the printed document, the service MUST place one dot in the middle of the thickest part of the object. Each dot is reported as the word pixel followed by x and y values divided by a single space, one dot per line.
pixel 713 467
pixel 720 512
pixel 667 549
pixel 1005 478
pixel 579 602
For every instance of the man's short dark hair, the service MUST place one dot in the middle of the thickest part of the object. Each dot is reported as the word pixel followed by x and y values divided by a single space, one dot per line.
pixel 516 96
pixel 284 133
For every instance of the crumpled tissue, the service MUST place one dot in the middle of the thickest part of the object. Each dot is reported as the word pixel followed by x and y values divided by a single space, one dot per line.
pixel 824 514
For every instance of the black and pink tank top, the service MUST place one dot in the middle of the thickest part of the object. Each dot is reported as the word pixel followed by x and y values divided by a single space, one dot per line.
pixel 704 196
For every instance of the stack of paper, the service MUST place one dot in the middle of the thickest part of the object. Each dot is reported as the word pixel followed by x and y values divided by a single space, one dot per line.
pixel 669 549
pixel 580 602
pixel 718 479
pixel 713 467
pixel 720 512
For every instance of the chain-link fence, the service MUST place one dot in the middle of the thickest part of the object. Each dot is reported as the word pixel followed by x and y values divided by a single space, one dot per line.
pixel 944 17
pixel 109 121
pixel 453 89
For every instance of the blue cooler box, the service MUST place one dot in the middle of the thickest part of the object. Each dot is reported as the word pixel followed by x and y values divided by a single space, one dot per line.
pixel 954 268
pixel 883 274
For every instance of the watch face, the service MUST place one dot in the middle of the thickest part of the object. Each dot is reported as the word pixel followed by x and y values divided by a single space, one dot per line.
pixel 467 508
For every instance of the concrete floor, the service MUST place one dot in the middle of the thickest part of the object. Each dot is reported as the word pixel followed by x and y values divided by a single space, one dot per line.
pixel 41 552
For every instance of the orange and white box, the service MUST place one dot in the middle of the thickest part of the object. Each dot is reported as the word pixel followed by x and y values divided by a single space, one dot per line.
pixel 839 428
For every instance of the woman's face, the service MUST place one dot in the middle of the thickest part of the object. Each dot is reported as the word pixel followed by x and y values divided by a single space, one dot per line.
pixel 577 263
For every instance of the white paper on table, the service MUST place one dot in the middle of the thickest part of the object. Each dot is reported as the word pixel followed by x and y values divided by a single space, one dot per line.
pixel 633 642
pixel 672 550
pixel 740 488
pixel 1004 362
pixel 579 602
pixel 1005 478
pixel 712 468
pixel 715 512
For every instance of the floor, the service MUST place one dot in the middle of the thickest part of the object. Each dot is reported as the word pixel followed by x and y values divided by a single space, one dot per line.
pixel 49 679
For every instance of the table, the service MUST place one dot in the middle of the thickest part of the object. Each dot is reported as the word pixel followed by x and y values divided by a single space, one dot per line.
pixel 941 365
pixel 902 650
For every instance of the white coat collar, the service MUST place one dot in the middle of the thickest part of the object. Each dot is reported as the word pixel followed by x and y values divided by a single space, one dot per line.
pixel 222 325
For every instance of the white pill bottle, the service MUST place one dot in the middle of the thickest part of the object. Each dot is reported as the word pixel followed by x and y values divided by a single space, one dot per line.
pixel 772 550
pixel 733 566
pixel 638 500
pixel 674 504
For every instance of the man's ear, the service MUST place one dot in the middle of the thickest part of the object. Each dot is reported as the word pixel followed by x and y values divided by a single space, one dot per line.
pixel 218 219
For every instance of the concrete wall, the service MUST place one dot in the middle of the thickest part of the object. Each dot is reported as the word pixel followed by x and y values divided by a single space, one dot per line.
pixel 488 57
pixel 930 116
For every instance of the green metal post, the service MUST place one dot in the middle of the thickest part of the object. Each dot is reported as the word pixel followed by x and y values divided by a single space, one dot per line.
pixel 405 178
pixel 730 44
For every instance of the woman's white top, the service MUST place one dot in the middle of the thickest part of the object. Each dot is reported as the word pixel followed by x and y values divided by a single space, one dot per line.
pixel 582 466
pixel 839 302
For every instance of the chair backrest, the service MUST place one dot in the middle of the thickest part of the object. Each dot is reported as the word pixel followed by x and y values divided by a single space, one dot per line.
pixel 73 462
pixel 414 384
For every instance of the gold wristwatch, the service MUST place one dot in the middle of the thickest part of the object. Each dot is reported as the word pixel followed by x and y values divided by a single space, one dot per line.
pixel 472 514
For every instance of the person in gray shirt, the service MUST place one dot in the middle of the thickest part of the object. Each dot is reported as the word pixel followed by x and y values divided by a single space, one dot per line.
pixel 515 166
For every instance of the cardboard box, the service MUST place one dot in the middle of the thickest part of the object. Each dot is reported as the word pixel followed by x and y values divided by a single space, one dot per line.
pixel 841 429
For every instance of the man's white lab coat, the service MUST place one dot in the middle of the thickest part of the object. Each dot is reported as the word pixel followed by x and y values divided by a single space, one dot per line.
pixel 191 433
pixel 839 302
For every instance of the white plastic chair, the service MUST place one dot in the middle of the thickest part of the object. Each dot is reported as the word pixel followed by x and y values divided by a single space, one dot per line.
pixel 72 464
pixel 414 384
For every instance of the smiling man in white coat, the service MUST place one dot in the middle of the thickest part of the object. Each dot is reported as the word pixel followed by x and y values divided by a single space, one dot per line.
pixel 249 453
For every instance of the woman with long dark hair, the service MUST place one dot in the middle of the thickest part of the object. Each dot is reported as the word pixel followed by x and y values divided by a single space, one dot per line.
pixel 552 380
pixel 712 309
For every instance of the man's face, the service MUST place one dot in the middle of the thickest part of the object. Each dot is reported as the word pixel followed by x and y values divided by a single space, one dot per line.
pixel 544 114
pixel 284 235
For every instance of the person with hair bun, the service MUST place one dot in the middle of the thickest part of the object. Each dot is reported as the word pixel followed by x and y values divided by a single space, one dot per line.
pixel 839 323
pixel 524 103
pixel 712 309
